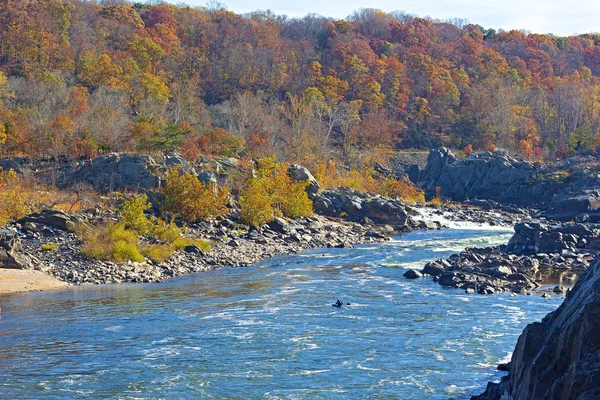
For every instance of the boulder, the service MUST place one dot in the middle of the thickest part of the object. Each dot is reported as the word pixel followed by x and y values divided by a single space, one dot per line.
pixel 524 240
pixel 433 268
pixel 52 218
pixel 279 225
pixel 300 173
pixel 356 206
pixel 9 239
pixel 412 274
pixel 207 177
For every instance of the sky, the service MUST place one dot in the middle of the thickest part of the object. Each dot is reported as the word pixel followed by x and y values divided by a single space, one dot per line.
pixel 561 18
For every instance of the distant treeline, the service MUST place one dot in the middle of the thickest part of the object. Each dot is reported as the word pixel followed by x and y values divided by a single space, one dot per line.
pixel 80 77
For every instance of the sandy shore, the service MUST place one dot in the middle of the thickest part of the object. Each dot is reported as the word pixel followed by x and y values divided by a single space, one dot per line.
pixel 18 280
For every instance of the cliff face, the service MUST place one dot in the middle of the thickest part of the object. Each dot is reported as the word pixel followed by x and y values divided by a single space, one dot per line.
pixel 558 358
pixel 569 191
pixel 493 176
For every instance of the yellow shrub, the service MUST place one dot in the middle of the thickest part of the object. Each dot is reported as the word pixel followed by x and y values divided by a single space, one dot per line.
pixel 166 231
pixel 132 215
pixel 12 199
pixel 110 242
pixel 192 200
pixel 437 201
pixel 402 189
pixel 49 247
pixel 256 203
pixel 158 253
pixel 273 194
pixel 181 243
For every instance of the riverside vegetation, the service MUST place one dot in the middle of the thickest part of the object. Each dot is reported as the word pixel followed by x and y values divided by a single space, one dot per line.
pixel 172 219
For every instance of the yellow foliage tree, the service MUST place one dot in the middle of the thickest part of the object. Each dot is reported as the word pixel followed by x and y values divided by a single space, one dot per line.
pixel 192 200
pixel 12 200
pixel 272 194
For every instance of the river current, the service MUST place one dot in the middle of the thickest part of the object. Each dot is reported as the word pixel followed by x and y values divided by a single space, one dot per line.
pixel 269 331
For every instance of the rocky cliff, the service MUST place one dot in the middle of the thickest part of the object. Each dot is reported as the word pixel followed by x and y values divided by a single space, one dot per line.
pixel 489 175
pixel 565 191
pixel 558 358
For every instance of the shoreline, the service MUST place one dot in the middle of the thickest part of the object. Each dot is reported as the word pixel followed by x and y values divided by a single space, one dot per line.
pixel 22 281
pixel 233 245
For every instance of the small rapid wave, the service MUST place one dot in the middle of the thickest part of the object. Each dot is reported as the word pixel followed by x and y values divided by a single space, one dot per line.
pixel 449 220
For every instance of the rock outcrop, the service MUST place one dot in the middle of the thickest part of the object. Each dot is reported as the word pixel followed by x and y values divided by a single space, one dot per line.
pixel 489 175
pixel 558 358
pixel 300 173
pixel 358 206
pixel 124 171
pixel 534 253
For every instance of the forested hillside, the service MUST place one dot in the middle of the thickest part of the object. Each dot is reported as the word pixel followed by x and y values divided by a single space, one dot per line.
pixel 80 78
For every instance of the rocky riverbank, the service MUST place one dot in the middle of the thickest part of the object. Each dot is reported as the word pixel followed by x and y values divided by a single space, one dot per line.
pixel 536 254
pixel 232 245
pixel 46 242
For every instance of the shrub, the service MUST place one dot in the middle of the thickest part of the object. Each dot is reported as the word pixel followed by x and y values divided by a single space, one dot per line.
pixel 12 199
pixel 402 189
pixel 257 203
pixel 272 193
pixel 192 200
pixel 437 201
pixel 110 242
pixel 132 215
pixel 166 231
pixel 182 242
pixel 158 253
pixel 468 150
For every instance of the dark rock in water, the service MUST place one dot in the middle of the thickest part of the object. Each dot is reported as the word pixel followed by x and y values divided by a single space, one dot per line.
pixel 503 367
pixel 558 358
pixel 412 274
pixel 559 289
pixel 433 268
pixel 52 218
pixel 300 173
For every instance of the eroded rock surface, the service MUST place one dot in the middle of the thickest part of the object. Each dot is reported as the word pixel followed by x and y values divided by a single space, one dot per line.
pixel 559 357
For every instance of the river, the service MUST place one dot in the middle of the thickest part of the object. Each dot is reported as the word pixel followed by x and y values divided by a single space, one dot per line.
pixel 269 331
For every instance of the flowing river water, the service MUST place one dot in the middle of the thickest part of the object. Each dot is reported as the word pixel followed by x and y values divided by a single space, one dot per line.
pixel 269 331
